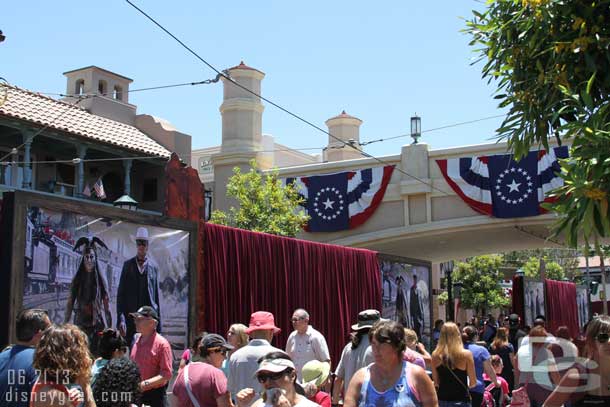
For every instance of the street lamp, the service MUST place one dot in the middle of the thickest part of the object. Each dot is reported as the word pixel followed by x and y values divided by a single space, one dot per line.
pixel 126 202
pixel 415 128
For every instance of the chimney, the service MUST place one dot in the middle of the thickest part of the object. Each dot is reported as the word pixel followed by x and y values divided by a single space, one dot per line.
pixel 347 129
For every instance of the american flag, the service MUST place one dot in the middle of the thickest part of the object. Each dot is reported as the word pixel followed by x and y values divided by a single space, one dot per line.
pixel 87 191
pixel 99 189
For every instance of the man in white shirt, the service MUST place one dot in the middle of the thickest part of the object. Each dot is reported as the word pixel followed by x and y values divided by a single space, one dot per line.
pixel 244 362
pixel 305 343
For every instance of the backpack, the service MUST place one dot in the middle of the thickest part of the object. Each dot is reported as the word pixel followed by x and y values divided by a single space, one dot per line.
pixel 488 398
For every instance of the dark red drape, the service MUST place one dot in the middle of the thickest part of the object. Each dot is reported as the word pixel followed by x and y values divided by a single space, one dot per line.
pixel 598 306
pixel 246 271
pixel 517 297
pixel 560 304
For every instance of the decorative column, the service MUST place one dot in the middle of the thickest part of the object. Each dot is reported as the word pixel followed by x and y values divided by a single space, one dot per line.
pixel 346 132
pixel 81 151
pixel 127 167
pixel 28 138
pixel 241 130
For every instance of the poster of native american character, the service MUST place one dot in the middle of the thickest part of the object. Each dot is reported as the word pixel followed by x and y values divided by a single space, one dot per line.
pixel 534 300
pixel 406 295
pixel 94 272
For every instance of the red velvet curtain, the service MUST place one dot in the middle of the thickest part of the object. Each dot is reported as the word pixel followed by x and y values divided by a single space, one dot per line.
pixel 598 306
pixel 560 304
pixel 245 271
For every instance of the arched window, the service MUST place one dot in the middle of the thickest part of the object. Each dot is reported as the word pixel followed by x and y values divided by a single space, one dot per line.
pixel 102 88
pixel 118 92
pixel 79 87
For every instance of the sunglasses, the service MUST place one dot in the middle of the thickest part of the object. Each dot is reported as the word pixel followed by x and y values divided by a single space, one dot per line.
pixel 141 243
pixel 263 377
pixel 602 338
pixel 218 350
pixel 297 319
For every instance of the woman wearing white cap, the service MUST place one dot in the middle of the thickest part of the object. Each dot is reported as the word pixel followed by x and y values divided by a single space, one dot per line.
pixel 277 374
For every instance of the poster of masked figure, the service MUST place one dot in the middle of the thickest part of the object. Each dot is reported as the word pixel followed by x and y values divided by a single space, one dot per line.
pixel 94 272
pixel 534 300
pixel 406 294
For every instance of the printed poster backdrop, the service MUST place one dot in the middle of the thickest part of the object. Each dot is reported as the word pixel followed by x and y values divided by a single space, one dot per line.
pixel 582 305
pixel 52 264
pixel 406 296
pixel 534 300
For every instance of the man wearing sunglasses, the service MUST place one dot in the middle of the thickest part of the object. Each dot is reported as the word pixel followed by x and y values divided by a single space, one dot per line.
pixel 153 355
pixel 202 383
pixel 305 343
pixel 138 286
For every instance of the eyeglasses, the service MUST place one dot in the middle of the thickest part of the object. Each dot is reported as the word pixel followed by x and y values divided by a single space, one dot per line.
pixel 141 242
pixel 297 319
pixel 218 350
pixel 602 338
pixel 263 377
pixel 230 333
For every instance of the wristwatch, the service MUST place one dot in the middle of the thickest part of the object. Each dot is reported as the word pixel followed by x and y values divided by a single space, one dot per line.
pixel 146 383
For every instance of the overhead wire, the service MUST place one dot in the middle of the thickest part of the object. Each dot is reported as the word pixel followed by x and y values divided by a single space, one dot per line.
pixel 228 77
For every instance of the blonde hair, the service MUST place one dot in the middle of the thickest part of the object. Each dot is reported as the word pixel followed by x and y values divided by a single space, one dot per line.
pixel 410 336
pixel 501 338
pixel 450 348
pixel 596 326
pixel 240 332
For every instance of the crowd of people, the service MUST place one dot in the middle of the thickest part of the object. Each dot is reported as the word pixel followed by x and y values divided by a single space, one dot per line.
pixel 492 364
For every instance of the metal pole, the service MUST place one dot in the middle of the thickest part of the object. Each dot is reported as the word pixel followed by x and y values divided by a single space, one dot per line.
pixel 605 298
pixel 588 283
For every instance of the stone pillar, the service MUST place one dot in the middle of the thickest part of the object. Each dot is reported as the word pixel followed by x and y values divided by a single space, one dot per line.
pixel 242 114
pixel 81 151
pixel 28 138
pixel 127 183
pixel 346 128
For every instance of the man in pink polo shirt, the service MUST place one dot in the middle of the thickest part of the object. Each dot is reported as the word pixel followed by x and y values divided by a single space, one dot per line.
pixel 153 355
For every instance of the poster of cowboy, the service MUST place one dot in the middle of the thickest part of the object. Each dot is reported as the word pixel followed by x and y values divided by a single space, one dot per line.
pixel 95 271
pixel 406 294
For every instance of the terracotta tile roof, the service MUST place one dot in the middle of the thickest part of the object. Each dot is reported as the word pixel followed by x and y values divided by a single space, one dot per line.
pixel 244 66
pixel 45 111
pixel 344 115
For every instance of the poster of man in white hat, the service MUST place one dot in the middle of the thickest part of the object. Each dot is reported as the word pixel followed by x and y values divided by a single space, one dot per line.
pixel 138 286
pixel 135 265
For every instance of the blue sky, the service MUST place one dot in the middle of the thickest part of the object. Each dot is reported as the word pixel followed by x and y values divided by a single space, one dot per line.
pixel 380 62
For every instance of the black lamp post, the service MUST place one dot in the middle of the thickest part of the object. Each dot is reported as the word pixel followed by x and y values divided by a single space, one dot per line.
pixel 126 202
pixel 415 128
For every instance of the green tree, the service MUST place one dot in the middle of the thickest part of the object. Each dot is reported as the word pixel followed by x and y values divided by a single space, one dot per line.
pixel 480 277
pixel 265 204
pixel 550 60
pixel 565 258
pixel 553 270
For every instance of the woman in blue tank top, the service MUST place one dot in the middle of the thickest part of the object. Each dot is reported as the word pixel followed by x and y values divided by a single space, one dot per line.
pixel 389 381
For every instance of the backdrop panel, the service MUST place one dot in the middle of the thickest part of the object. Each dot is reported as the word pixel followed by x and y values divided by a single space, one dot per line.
pixel 245 271
pixel 406 294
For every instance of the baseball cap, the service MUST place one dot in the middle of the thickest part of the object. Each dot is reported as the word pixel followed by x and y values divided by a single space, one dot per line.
pixel 215 341
pixel 275 365
pixel 146 311
pixel 513 320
